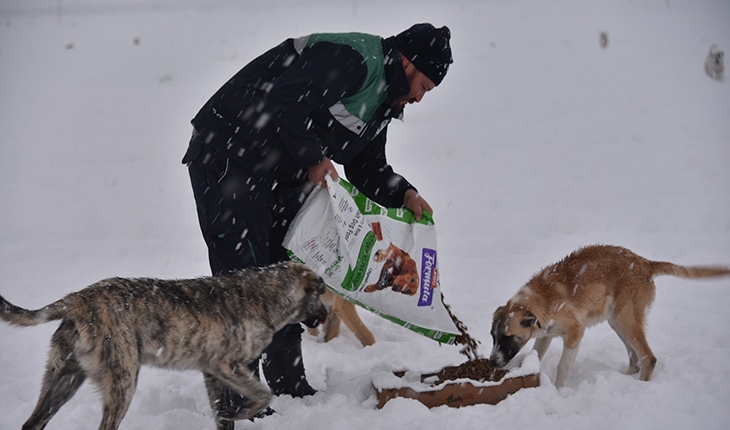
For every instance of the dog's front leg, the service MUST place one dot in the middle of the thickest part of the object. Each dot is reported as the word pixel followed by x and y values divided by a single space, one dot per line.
pixel 347 312
pixel 255 395
pixel 221 399
pixel 331 326
pixel 541 346
pixel 567 359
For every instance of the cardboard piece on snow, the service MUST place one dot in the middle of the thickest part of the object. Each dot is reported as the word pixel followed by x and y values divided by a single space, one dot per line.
pixel 458 393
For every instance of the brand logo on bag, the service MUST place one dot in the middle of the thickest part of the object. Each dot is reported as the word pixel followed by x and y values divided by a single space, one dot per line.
pixel 428 272
pixel 453 399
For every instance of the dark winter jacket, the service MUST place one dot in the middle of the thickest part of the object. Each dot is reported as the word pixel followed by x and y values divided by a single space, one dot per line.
pixel 307 98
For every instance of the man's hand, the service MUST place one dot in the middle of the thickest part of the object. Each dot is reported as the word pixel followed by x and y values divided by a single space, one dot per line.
pixel 413 201
pixel 318 172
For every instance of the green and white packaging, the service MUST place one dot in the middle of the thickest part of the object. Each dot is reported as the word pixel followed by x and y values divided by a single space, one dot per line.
pixel 379 258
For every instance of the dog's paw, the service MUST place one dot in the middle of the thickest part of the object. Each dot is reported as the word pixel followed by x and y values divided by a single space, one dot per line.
pixel 263 413
pixel 632 369
pixel 234 414
pixel 242 414
pixel 248 409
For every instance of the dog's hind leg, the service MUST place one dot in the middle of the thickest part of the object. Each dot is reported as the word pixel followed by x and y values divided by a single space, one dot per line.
pixel 115 371
pixel 62 379
pixel 117 397
pixel 629 325
pixel 633 359
pixel 646 357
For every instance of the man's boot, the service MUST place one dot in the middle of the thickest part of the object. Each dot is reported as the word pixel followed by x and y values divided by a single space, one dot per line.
pixel 283 366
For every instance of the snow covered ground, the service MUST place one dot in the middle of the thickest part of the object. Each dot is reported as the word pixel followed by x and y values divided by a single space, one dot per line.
pixel 537 142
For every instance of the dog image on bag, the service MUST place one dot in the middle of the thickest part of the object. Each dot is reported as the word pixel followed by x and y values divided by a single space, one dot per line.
pixel 715 63
pixel 399 271
pixel 340 310
pixel 217 325
pixel 593 284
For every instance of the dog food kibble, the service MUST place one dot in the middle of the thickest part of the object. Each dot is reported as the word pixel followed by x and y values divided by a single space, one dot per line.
pixel 475 368
pixel 470 344
pixel 480 369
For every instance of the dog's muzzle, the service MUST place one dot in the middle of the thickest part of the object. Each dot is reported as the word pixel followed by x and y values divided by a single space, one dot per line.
pixel 317 316
pixel 497 359
pixel 314 321
pixel 504 350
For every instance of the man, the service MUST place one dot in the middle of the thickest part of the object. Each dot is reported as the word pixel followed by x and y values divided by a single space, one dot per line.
pixel 270 134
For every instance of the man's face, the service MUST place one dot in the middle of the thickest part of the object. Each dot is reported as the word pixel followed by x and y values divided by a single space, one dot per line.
pixel 420 84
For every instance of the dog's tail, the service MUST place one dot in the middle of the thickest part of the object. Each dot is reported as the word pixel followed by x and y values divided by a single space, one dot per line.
pixel 24 317
pixel 692 272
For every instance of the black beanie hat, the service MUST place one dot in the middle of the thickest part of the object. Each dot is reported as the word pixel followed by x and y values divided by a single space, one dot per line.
pixel 427 48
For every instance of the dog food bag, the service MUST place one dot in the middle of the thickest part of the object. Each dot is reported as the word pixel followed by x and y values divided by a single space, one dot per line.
pixel 379 258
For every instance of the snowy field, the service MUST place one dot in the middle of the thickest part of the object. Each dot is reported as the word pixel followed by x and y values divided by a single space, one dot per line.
pixel 537 142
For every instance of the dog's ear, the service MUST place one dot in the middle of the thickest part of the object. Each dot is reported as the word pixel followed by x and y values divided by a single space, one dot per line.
pixel 317 286
pixel 530 320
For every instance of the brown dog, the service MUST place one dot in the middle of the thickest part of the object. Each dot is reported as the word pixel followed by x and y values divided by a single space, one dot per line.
pixel 340 309
pixel 217 325
pixel 399 271
pixel 591 285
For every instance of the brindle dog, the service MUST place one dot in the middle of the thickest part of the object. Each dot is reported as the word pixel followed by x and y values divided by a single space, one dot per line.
pixel 214 324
